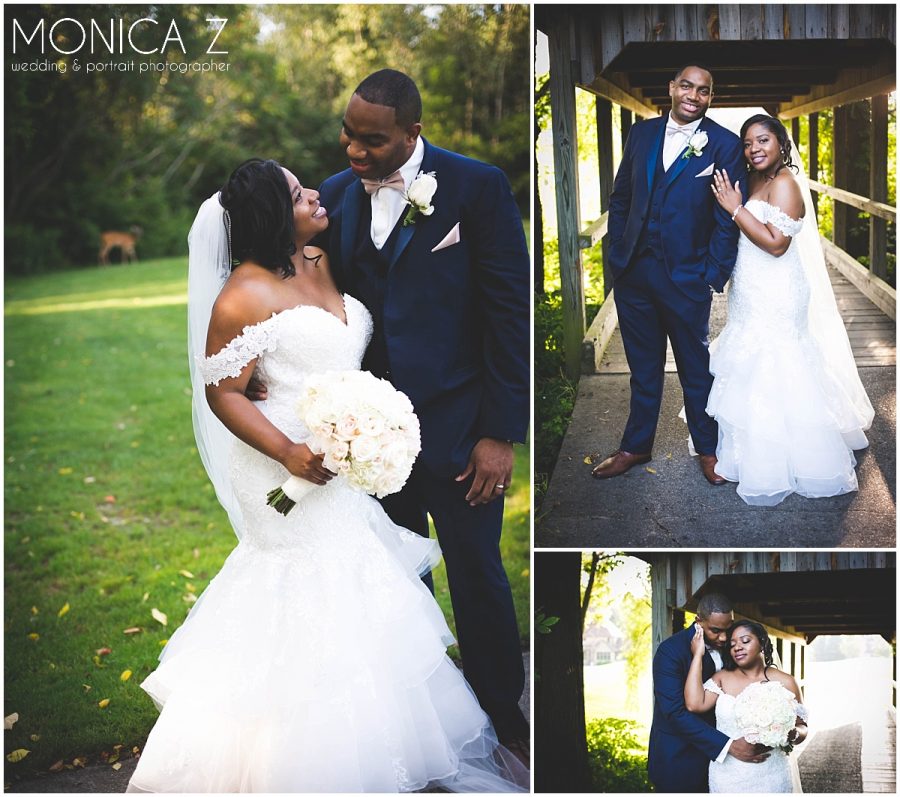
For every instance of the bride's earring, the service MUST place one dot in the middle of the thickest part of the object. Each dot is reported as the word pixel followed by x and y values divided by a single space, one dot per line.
pixel 228 234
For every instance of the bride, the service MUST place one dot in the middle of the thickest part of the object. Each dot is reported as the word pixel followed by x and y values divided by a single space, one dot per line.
pixel 790 406
pixel 315 661
pixel 747 660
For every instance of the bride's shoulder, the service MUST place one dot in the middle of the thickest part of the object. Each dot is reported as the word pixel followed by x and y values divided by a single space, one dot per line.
pixel 785 679
pixel 247 298
pixel 785 194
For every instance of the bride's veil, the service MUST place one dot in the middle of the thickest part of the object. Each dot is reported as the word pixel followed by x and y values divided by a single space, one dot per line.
pixel 827 327
pixel 209 264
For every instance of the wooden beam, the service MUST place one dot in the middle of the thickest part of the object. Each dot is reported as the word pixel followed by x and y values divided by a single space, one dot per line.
pixel 872 206
pixel 882 85
pixel 660 609
pixel 882 295
pixel 605 88
pixel 878 155
pixel 627 119
pixel 840 170
pixel 598 336
pixel 605 160
pixel 565 166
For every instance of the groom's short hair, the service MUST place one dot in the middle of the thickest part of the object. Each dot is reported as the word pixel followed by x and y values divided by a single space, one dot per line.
pixel 714 603
pixel 697 65
pixel 395 90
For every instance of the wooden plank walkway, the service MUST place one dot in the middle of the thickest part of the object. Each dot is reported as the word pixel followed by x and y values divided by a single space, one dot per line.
pixel 667 503
pixel 879 755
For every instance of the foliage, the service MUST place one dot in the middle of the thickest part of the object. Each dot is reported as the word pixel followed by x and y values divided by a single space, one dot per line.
pixel 542 623
pixel 617 760
pixel 107 150
pixel 596 566
pixel 637 626
pixel 108 508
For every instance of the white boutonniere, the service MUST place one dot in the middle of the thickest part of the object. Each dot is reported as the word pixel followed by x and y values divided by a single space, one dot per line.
pixel 419 197
pixel 695 144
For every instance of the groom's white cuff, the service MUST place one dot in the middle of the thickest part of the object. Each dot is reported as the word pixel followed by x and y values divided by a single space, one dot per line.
pixel 724 754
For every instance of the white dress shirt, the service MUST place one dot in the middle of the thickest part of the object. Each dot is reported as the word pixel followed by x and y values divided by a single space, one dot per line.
pixel 388 204
pixel 675 140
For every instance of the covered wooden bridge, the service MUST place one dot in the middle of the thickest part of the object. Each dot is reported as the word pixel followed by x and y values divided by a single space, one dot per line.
pixel 796 61
pixel 799 596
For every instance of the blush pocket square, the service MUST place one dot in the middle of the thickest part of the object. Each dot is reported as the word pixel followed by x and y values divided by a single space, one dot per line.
pixel 449 239
pixel 707 172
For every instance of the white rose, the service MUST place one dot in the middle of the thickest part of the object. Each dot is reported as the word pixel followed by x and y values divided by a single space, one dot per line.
pixel 364 448
pixel 347 426
pixel 422 190
pixel 698 141
pixel 371 424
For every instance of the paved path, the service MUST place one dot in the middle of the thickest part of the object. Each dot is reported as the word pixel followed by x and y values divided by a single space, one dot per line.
pixel 667 503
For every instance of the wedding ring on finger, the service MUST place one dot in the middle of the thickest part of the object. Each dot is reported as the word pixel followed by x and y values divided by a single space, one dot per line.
pixel 500 486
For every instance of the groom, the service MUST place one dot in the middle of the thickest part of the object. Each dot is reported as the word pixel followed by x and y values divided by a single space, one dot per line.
pixel 670 246
pixel 446 279
pixel 681 743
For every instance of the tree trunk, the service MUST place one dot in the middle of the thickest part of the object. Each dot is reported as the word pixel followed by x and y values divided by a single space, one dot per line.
pixel 561 762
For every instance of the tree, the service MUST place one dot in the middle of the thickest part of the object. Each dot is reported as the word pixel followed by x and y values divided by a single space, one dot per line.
pixel 561 763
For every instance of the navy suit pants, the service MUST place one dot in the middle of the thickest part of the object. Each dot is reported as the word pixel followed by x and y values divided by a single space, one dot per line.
pixel 482 600
pixel 651 309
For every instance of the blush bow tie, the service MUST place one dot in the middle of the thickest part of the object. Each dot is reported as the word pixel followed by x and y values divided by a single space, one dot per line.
pixel 672 129
pixel 394 181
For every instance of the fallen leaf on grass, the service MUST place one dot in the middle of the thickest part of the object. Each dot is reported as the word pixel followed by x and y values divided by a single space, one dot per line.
pixel 103 703
pixel 113 758
pixel 17 755
pixel 65 471
pixel 81 761
pixel 57 766
pixel 35 610
pixel 64 610
pixel 34 637
pixel 126 674
pixel 146 596
pixel 97 662
pixel 190 587
pixel 186 573
pixel 103 651
pixel 117 766
pixel 10 720
pixel 109 499
pixel 89 480
pixel 159 616
pixel 87 687
pixel 163 642
pixel 133 630
pixel 35 737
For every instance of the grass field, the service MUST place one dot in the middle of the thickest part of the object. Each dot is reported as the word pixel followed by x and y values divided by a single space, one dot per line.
pixel 109 515
pixel 605 695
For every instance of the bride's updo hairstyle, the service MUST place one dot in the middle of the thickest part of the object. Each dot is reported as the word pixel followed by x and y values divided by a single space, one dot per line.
pixel 778 130
pixel 759 632
pixel 260 216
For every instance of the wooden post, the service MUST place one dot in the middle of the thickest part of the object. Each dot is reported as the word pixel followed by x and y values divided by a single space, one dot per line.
pixel 814 156
pixel 878 185
pixel 840 170
pixel 795 130
pixel 565 166
pixel 627 118
pixel 605 152
pixel 660 607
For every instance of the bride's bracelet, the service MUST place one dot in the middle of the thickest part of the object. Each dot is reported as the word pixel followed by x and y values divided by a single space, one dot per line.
pixel 734 215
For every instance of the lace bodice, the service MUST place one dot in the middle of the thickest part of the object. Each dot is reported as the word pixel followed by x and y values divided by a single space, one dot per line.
pixel 772 214
pixel 290 346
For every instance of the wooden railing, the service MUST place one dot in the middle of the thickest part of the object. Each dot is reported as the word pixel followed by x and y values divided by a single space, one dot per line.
pixel 879 209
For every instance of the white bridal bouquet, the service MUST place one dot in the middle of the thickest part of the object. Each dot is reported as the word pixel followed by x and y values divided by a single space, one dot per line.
pixel 766 713
pixel 364 426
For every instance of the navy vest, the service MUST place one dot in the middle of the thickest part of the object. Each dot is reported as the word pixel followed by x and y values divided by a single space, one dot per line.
pixel 650 235
pixel 369 268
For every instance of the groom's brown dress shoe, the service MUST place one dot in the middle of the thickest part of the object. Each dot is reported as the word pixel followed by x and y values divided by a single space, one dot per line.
pixel 616 464
pixel 708 466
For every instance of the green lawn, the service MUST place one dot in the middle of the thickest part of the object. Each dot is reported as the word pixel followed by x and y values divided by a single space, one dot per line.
pixel 108 511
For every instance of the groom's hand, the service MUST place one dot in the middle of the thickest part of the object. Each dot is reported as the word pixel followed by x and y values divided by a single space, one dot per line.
pixel 749 752
pixel 492 462
pixel 256 390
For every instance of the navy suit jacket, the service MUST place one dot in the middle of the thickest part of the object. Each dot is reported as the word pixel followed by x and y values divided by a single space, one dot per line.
pixel 681 743
pixel 699 238
pixel 456 320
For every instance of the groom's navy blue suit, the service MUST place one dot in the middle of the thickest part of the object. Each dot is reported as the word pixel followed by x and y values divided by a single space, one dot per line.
pixel 681 743
pixel 670 245
pixel 451 330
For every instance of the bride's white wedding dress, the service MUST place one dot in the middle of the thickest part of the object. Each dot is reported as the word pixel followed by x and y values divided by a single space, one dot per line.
pixel 778 773
pixel 315 661
pixel 785 422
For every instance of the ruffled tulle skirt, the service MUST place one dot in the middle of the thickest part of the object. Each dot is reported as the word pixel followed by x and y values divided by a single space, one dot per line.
pixel 318 664
pixel 785 425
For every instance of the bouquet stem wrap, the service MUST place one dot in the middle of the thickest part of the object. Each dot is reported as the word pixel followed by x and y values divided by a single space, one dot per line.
pixel 286 497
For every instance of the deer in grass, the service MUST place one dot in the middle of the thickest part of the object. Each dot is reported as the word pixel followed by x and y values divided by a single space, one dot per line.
pixel 124 241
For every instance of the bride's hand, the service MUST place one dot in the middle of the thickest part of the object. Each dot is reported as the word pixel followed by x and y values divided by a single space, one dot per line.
pixel 698 643
pixel 727 195
pixel 302 462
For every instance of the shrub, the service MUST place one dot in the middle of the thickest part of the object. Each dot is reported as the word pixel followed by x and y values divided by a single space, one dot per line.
pixel 617 760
